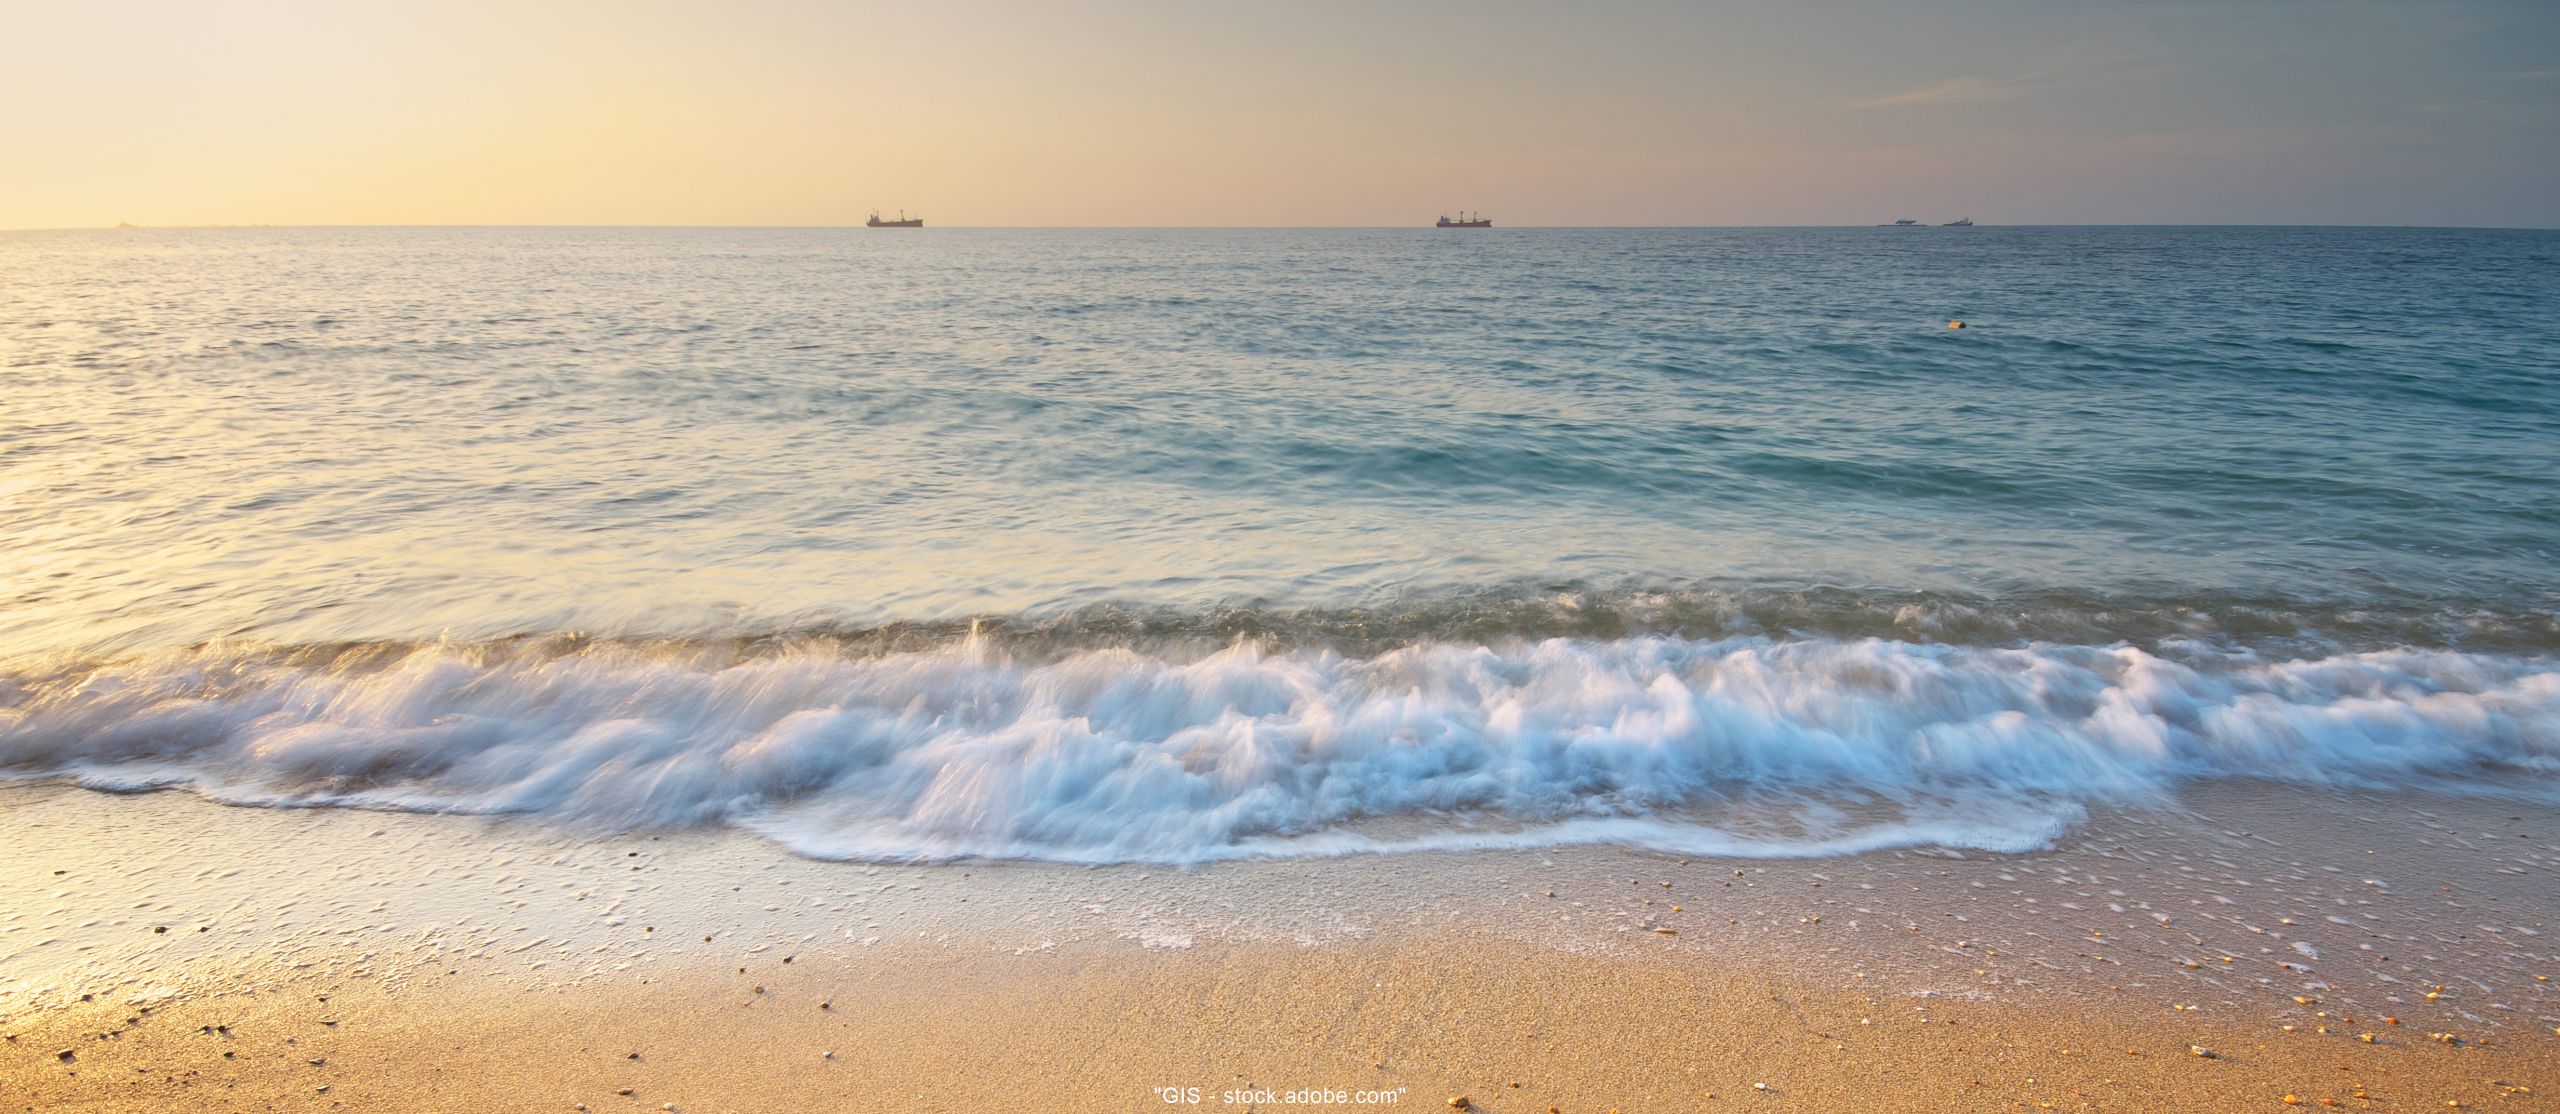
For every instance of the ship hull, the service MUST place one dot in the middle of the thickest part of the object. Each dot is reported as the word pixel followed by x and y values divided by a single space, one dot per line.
pixel 894 223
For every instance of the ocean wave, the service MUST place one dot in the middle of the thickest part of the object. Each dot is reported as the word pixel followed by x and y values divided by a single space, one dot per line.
pixel 1174 751
pixel 1717 610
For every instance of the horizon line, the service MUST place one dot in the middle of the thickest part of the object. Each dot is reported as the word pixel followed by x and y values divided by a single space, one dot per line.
pixel 1258 227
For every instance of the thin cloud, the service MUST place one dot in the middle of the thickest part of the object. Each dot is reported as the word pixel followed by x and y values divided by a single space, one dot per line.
pixel 2078 64
pixel 1959 90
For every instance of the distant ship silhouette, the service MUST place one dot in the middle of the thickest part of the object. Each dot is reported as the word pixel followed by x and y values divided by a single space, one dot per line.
pixel 903 221
pixel 1467 220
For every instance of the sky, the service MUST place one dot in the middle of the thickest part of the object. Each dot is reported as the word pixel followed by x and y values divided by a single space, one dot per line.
pixel 1123 112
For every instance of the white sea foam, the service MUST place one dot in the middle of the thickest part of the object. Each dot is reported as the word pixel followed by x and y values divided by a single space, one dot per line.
pixel 1736 746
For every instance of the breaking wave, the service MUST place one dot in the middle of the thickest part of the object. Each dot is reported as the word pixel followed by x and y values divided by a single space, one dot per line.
pixel 1171 749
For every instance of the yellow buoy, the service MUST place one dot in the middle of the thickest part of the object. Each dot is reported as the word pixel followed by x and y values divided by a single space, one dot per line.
pixel 1955 324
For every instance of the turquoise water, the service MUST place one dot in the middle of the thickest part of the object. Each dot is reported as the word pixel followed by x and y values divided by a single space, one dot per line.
pixel 1269 532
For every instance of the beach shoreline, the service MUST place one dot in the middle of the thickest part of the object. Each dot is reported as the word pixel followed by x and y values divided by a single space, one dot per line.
pixel 442 962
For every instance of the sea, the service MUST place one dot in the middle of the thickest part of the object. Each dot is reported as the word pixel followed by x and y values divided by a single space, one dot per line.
pixel 1173 546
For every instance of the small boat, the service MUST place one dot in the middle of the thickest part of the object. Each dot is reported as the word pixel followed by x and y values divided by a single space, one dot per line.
pixel 1905 222
pixel 1959 222
pixel 903 221
pixel 1467 220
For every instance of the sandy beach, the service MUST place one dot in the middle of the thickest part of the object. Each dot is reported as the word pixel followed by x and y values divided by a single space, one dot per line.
pixel 2348 950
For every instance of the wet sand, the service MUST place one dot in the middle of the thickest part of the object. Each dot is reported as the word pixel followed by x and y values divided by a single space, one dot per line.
pixel 194 957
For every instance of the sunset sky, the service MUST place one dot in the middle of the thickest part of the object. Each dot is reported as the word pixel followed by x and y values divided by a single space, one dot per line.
pixel 783 112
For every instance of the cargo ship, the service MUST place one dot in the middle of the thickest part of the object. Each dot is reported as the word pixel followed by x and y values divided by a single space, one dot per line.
pixel 1467 220
pixel 1960 222
pixel 903 221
